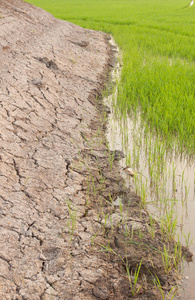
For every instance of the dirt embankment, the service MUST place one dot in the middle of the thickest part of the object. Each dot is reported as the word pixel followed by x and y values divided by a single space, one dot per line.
pixel 60 235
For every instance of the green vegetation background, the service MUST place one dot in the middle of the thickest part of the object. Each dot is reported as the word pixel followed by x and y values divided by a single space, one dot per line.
pixel 157 39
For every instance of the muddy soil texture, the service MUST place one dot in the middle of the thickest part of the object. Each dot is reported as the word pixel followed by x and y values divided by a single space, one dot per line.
pixel 61 237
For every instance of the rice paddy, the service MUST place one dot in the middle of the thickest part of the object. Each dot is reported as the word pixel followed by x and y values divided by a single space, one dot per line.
pixel 157 41
pixel 154 106
pixel 164 180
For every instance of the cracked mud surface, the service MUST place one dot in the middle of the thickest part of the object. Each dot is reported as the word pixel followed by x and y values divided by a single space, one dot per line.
pixel 50 72
pixel 56 180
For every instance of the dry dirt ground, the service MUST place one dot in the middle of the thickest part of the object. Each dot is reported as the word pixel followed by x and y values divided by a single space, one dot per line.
pixel 60 235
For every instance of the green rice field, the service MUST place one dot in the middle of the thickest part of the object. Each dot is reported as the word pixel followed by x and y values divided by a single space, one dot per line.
pixel 157 41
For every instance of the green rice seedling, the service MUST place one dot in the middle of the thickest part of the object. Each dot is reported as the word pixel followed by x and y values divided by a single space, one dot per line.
pixel 167 260
pixel 107 248
pixel 174 181
pixel 177 258
pixel 168 296
pixel 187 187
pixel 111 159
pixel 136 182
pixel 110 197
pixel 169 223
pixel 188 240
pixel 128 159
pixel 102 179
pixel 106 216
pixel 143 193
pixel 133 278
pixel 93 239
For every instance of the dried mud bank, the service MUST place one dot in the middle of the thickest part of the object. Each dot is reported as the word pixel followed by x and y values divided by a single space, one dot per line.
pixel 61 237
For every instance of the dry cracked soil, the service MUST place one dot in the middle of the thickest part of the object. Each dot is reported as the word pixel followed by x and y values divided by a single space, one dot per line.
pixel 61 237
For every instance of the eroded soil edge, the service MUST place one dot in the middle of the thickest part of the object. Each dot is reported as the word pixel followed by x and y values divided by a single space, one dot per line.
pixel 60 235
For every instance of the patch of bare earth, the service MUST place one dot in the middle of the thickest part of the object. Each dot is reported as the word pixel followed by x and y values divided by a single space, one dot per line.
pixel 56 180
